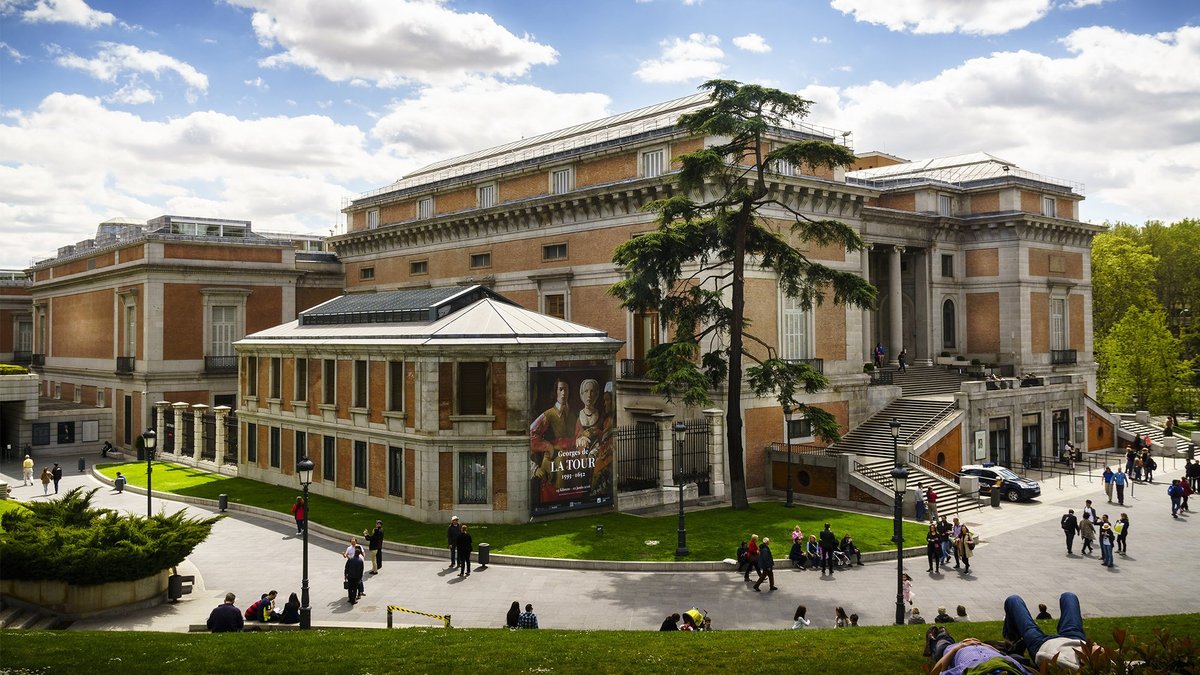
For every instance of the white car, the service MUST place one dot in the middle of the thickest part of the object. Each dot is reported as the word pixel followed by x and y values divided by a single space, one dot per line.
pixel 1013 487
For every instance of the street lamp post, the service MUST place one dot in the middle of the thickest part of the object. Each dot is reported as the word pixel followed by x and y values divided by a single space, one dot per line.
pixel 149 440
pixel 787 434
pixel 304 469
pixel 899 483
pixel 680 429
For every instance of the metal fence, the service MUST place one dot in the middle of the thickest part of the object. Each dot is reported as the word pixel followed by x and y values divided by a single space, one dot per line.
pixel 208 444
pixel 637 457
pixel 693 456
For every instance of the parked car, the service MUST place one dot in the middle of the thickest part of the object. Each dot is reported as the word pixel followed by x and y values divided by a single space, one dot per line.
pixel 1012 487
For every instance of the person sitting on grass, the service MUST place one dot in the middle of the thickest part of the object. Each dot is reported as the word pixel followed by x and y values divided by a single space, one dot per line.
pixel 798 619
pixel 915 616
pixel 1042 614
pixel 969 656
pixel 942 616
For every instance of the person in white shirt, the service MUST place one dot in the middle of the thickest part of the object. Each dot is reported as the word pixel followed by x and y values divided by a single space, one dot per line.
pixel 1063 647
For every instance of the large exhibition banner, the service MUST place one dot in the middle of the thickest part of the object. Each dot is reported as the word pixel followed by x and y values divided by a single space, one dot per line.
pixel 571 438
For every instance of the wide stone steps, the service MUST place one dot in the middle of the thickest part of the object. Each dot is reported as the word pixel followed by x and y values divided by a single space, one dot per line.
pixel 1128 424
pixel 927 380
pixel 950 500
pixel 18 618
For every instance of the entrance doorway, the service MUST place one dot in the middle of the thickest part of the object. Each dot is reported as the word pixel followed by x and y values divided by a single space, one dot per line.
pixel 999 442
pixel 1031 440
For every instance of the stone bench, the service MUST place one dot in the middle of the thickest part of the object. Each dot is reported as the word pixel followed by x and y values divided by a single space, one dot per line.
pixel 251 626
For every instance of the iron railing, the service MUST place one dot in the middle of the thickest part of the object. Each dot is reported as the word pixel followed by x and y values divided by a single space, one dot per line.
pixel 220 364
pixel 691 461
pixel 1062 357
pixel 816 364
pixel 881 377
pixel 637 457
pixel 125 364
pixel 22 357
pixel 39 359
pixel 633 369
pixel 937 417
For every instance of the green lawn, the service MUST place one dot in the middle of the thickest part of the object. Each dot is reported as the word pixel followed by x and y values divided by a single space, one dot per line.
pixel 7 505
pixel 712 534
pixel 886 649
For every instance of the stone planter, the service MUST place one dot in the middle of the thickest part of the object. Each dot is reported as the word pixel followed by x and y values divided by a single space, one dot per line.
pixel 79 602
pixel 945 360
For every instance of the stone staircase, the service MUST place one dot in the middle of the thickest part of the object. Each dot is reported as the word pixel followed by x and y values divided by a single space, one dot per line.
pixel 19 618
pixel 871 441
pixel 1132 427
pixel 927 380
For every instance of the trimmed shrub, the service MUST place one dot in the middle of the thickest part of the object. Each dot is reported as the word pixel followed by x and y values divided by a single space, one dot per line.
pixel 10 369
pixel 69 540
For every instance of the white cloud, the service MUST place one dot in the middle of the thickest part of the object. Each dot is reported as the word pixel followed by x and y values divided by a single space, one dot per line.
pixel 1077 4
pixel 1131 100
pixel 12 52
pixel 257 83
pixel 443 122
pixel 981 17
pixel 284 173
pixel 821 40
pixel 133 93
pixel 752 42
pixel 697 57
pixel 390 43
pixel 74 12
pixel 119 61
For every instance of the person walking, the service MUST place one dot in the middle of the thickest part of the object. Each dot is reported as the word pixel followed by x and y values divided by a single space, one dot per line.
pixel 751 557
pixel 828 546
pixel 1122 530
pixel 464 552
pixel 298 514
pixel 46 478
pixel 1070 525
pixel 452 540
pixel 27 471
pixel 353 574
pixel 1087 532
pixel 375 543
pixel 226 617
pixel 527 619
pixel 902 359
pixel 966 547
pixel 879 354
pixel 1119 480
pixel 931 499
pixel 907 589
pixel 933 549
pixel 119 482
pixel 945 529
pixel 766 566
pixel 1175 492
pixel 56 472
pixel 1107 539
pixel 1193 474
pixel 955 530
pixel 1108 483
pixel 1089 513
pixel 1185 491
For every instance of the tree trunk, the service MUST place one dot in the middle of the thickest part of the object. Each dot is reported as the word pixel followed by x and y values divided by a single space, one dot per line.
pixel 733 414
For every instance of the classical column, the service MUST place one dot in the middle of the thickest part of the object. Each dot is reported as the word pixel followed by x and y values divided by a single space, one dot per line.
pixel 198 411
pixel 895 304
pixel 221 413
pixel 868 343
pixel 181 443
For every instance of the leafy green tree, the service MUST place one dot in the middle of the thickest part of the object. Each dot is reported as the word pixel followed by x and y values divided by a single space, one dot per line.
pixel 1176 246
pixel 692 268
pixel 1142 363
pixel 1123 276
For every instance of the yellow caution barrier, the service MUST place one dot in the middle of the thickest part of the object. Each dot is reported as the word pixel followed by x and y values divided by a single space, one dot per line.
pixel 445 619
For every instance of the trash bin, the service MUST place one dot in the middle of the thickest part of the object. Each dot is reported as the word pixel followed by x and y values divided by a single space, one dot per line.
pixel 82 465
pixel 485 551
pixel 222 501
pixel 920 509
pixel 996 496
pixel 174 587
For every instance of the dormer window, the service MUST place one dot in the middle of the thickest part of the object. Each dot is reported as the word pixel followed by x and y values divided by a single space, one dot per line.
pixel 1049 207
pixel 562 180
pixel 654 162
pixel 424 208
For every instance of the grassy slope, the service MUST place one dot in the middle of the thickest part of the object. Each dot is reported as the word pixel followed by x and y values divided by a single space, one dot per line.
pixel 712 534
pixel 888 649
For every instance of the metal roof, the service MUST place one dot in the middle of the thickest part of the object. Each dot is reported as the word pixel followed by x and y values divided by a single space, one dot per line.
pixel 407 305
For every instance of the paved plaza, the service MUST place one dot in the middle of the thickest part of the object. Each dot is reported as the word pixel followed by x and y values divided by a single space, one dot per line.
pixel 1021 551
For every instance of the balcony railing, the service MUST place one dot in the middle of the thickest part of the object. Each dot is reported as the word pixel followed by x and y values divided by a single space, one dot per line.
pixel 881 377
pixel 22 357
pixel 1062 357
pixel 220 364
pixel 125 364
pixel 633 369
pixel 816 364
pixel 39 359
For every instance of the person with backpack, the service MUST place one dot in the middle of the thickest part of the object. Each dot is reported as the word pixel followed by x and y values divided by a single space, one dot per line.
pixel 1175 492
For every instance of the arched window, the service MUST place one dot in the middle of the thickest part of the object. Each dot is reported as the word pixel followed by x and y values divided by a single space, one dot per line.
pixel 948 324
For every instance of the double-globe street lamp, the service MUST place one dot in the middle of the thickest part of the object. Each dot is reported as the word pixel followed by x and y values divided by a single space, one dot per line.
pixel 899 483
pixel 304 469
pixel 149 440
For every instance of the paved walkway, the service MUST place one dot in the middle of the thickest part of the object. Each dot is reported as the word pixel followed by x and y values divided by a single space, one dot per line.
pixel 1022 551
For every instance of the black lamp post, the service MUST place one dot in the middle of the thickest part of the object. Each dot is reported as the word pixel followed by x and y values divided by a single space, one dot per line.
pixel 787 434
pixel 304 469
pixel 680 429
pixel 149 440
pixel 899 483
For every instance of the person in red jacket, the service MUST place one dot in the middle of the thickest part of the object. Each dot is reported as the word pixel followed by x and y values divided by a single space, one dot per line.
pixel 298 514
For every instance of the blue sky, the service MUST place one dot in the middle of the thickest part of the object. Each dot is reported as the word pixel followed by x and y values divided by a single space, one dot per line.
pixel 277 110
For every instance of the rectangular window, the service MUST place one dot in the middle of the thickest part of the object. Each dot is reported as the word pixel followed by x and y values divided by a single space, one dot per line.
pixel 784 168
pixel 487 196
pixel 472 478
pixel 654 163
pixel 329 381
pixel 425 208
pixel 554 252
pixel 252 376
pixel 130 346
pixel 562 181
pixel 224 325
pixel 944 205
pixel 100 397
pixel 555 305
pixel 328 458
pixel 301 445
pixel 276 448
pixel 360 383
pixel 948 266
pixel 800 427
pixel 395 471
pixel 795 330
pixel 1058 323
pixel 1048 207
pixel 251 443
pixel 395 386
pixel 301 393
pixel 41 433
pixel 366 273
pixel 479 260
pixel 472 388
pixel 276 376
pixel 417 267
pixel 372 219
pixel 360 464
pixel 66 433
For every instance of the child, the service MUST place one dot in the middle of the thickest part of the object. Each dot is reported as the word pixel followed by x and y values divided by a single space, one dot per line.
pixel 840 619
pixel 908 589
pixel 798 621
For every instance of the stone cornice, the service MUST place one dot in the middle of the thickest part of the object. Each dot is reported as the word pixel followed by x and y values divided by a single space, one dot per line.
pixel 1009 225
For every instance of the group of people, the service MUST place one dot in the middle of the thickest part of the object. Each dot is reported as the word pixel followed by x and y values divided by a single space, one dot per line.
pixel 945 540
pixel 518 619
pixel 824 550
pixel 1090 526
pixel 840 618
pixel 355 567
pixel 227 618
pixel 1139 462
pixel 49 475
pixel 692 619
pixel 458 538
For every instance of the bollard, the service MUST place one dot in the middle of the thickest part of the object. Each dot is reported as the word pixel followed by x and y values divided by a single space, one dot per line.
pixel 82 465
pixel 485 551
pixel 222 501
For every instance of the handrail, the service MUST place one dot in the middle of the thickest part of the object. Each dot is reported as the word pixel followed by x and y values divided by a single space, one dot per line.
pixel 806 449
pixel 931 467
pixel 875 475
pixel 937 417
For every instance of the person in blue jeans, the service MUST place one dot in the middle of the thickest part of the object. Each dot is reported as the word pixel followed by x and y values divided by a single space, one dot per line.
pixel 1061 647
